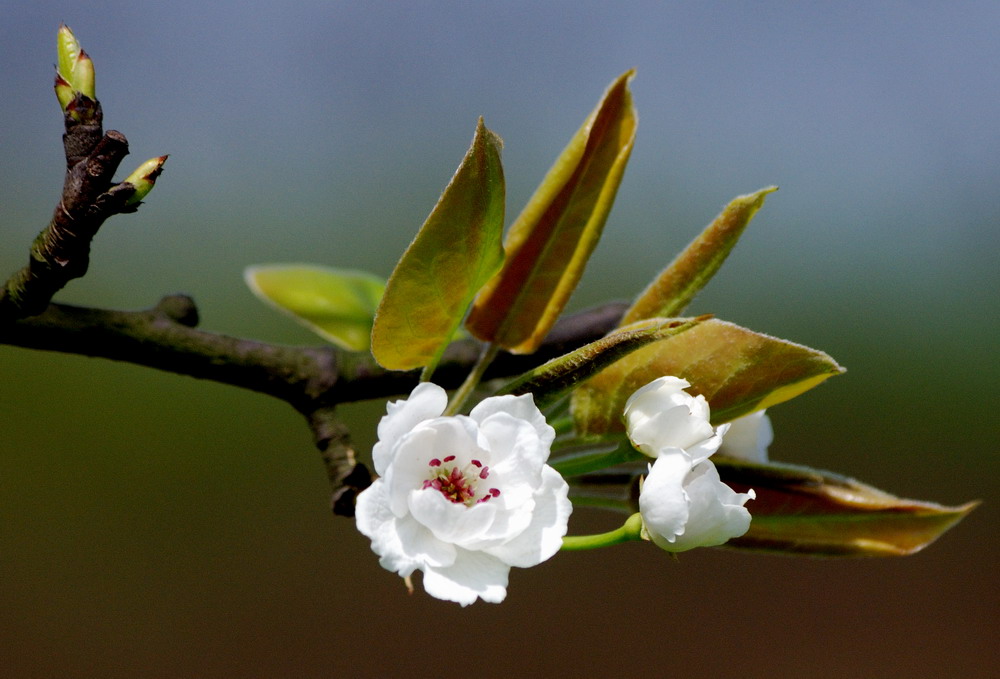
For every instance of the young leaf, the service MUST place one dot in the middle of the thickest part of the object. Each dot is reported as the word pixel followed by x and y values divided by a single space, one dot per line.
pixel 735 369
pixel 806 511
pixel 550 242
pixel 456 251
pixel 336 304
pixel 553 379
pixel 677 285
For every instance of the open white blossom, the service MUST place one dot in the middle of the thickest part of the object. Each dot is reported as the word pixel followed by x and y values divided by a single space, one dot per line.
pixel 684 507
pixel 683 502
pixel 748 438
pixel 662 415
pixel 463 498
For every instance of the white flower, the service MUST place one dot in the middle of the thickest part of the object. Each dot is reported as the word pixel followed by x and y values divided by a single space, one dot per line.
pixel 748 438
pixel 662 415
pixel 463 498
pixel 683 502
pixel 686 506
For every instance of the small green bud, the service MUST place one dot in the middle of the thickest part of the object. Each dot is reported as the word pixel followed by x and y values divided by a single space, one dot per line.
pixel 144 178
pixel 74 70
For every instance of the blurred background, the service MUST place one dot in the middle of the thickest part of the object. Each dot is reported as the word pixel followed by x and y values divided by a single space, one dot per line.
pixel 158 526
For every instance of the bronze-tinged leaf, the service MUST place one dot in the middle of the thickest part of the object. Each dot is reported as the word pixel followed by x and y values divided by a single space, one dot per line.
pixel 549 243
pixel 676 286
pixel 456 251
pixel 555 378
pixel 737 370
pixel 802 511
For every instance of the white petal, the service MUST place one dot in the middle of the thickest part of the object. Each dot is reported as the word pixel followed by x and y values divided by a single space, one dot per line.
pixel 674 427
pixel 703 450
pixel 507 524
pixel 663 502
pixel 474 574
pixel 521 407
pixel 450 522
pixel 662 385
pixel 402 544
pixel 543 536
pixel 749 438
pixel 426 401
pixel 516 457
pixel 716 511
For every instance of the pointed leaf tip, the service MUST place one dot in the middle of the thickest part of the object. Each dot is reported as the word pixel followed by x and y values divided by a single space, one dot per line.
pixel 456 251
pixel 803 511
pixel 675 287
pixel 549 244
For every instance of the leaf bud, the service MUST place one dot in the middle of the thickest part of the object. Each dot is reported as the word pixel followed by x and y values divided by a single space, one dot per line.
pixel 144 178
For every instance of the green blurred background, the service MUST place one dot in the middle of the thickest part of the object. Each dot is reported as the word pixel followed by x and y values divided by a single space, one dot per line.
pixel 158 526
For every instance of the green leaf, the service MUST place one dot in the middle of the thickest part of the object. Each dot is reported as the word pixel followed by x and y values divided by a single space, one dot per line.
pixel 456 251
pixel 553 379
pixel 336 304
pixel 549 243
pixel 677 285
pixel 807 511
pixel 737 370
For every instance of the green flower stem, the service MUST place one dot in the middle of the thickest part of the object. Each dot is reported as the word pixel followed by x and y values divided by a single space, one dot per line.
pixel 586 463
pixel 462 394
pixel 629 531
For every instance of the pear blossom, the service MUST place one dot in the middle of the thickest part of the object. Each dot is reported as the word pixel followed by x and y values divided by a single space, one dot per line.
pixel 683 502
pixel 684 506
pixel 661 415
pixel 463 498
pixel 748 438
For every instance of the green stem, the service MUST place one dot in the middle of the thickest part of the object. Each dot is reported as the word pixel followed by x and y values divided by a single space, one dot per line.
pixel 629 531
pixel 462 394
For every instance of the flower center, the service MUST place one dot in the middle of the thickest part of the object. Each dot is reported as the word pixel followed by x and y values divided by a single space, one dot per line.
pixel 459 484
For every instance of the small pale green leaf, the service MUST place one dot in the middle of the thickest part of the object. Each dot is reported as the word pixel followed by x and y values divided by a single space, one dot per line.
pixel 683 278
pixel 811 512
pixel 336 304
pixel 456 251
pixel 553 379
pixel 737 370
pixel 549 243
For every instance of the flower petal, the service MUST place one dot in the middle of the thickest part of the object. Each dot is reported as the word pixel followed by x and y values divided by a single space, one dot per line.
pixel 703 450
pixel 516 457
pixel 662 501
pixel 748 438
pixel 449 521
pixel 663 415
pixel 521 407
pixel 403 544
pixel 716 512
pixel 543 536
pixel 474 574
pixel 426 401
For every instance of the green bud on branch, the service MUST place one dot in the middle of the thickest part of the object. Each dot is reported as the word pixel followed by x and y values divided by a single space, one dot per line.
pixel 74 76
pixel 144 178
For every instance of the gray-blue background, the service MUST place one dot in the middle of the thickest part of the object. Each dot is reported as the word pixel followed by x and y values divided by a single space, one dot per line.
pixel 152 525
